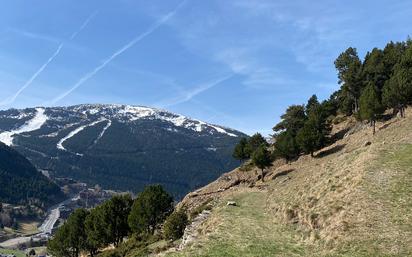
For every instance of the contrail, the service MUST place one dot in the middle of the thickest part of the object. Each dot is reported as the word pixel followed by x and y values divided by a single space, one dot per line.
pixel 12 98
pixel 137 39
pixel 91 16
pixel 189 94
pixel 28 83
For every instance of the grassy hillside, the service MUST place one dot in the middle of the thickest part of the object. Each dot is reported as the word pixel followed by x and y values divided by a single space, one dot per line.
pixel 353 199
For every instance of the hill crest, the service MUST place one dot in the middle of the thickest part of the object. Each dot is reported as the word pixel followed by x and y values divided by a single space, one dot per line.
pixel 352 199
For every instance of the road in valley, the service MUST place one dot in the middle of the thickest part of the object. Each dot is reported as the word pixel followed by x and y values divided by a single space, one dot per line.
pixel 45 228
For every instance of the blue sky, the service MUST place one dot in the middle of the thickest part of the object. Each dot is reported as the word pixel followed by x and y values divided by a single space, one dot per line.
pixel 237 63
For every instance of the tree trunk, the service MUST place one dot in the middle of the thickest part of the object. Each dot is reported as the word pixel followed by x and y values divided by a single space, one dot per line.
pixel 356 107
pixel 263 176
pixel 374 127
pixel 311 154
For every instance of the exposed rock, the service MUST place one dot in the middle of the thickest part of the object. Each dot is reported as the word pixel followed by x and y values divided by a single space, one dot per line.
pixel 231 203
pixel 191 231
pixel 367 143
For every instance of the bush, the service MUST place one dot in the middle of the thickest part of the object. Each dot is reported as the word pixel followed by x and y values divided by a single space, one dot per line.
pixel 175 225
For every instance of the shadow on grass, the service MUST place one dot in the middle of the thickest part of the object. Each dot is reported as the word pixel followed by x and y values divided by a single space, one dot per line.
pixel 282 173
pixel 329 151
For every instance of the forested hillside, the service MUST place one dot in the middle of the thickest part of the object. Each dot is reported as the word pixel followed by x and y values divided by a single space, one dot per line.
pixel 121 147
pixel 21 183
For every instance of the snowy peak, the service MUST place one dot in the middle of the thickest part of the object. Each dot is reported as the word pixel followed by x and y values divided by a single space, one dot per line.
pixel 34 119
pixel 129 113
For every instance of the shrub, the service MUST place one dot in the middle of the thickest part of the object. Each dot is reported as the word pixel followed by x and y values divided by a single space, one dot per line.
pixel 175 225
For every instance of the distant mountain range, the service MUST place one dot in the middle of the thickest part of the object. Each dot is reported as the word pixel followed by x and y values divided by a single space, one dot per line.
pixel 120 146
pixel 21 183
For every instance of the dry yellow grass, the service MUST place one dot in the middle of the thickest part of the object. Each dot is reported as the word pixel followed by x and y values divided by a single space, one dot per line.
pixel 355 199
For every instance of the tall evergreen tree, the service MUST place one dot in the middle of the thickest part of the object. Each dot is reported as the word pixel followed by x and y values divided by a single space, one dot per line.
pixel 115 217
pixel 255 141
pixel 150 208
pixel 71 238
pixel 392 55
pixel 242 150
pixel 314 133
pixel 286 145
pixel 349 68
pixel 331 105
pixel 96 230
pixel 309 137
pixel 292 120
pixel 312 103
pixel 262 159
pixel 370 106
pixel 374 70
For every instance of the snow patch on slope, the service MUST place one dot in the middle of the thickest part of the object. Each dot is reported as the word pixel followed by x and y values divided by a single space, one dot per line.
pixel 34 124
pixel 137 112
pixel 73 133
pixel 220 130
pixel 109 123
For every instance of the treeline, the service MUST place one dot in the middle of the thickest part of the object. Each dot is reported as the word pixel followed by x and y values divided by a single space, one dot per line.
pixel 368 87
pixel 87 231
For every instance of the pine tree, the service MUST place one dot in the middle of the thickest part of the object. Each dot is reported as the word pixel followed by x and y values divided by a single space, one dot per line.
pixel 242 150
pixel 370 106
pixel 314 133
pixel 96 230
pixel 312 103
pixel 398 90
pixel 374 70
pixel 262 159
pixel 392 55
pixel 349 68
pixel 255 141
pixel 308 138
pixel 286 146
pixel 150 208
pixel 71 238
pixel 292 120
pixel 115 217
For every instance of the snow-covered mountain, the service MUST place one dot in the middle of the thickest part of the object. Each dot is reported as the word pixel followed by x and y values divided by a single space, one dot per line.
pixel 121 146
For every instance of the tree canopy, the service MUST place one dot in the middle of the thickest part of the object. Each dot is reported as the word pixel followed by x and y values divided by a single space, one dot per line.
pixel 150 208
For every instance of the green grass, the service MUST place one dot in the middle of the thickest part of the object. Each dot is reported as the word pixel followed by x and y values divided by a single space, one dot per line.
pixel 245 230
pixel 15 252
pixel 389 183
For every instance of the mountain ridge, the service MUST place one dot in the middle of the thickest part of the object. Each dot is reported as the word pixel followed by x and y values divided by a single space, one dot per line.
pixel 89 141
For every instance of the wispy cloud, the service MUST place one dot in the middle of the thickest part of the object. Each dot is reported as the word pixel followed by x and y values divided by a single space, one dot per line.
pixel 33 35
pixel 12 98
pixel 187 95
pixel 137 39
